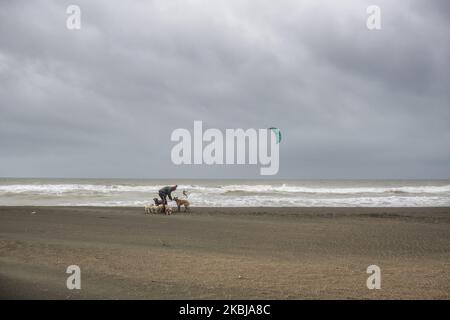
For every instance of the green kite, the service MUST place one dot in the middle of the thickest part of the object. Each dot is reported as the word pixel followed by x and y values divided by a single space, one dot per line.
pixel 277 133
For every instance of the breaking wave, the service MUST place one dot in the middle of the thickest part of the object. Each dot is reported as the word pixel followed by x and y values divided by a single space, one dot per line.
pixel 222 192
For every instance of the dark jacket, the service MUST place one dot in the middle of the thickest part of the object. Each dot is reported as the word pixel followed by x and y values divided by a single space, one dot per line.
pixel 166 191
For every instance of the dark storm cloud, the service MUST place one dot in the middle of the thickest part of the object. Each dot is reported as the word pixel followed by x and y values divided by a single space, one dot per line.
pixel 103 101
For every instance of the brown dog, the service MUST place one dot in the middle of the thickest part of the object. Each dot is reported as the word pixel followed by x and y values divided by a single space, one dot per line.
pixel 182 202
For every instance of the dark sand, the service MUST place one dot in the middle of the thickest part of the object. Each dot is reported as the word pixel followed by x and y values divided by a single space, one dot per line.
pixel 231 253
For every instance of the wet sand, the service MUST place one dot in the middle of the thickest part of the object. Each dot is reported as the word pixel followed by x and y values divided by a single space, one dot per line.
pixel 225 253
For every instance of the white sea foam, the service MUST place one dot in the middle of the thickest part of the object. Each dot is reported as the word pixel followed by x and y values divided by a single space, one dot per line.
pixel 337 190
pixel 222 192
pixel 263 189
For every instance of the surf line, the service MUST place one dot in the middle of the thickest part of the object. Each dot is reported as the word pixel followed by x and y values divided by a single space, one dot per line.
pixel 263 147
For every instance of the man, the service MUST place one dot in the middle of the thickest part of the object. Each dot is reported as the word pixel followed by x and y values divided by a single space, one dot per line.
pixel 166 192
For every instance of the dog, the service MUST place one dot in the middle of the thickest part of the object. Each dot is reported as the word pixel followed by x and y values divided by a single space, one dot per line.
pixel 158 209
pixel 182 202
pixel 157 201
pixel 168 211
pixel 148 208
pixel 151 208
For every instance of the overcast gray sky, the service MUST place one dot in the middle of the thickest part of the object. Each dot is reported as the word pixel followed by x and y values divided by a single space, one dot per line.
pixel 102 101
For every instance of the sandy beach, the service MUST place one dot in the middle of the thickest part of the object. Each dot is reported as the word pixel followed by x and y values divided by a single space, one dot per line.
pixel 225 253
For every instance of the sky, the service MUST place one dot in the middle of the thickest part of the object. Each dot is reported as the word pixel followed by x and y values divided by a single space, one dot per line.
pixel 102 101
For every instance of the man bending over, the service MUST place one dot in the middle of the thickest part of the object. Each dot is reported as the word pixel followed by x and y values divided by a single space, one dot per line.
pixel 166 192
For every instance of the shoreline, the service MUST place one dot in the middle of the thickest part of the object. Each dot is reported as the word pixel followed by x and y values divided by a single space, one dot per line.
pixel 225 253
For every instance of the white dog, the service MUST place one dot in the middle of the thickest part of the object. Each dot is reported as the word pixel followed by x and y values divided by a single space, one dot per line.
pixel 157 209
pixel 152 208
pixel 148 208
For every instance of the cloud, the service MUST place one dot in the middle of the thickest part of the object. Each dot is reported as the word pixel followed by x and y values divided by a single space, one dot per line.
pixel 103 101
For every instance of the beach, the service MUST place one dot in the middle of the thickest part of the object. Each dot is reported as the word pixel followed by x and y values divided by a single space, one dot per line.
pixel 225 253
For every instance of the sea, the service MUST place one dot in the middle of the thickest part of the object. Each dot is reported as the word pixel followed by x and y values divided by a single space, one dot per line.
pixel 232 193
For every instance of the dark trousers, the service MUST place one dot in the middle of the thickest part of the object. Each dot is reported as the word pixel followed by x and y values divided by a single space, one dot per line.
pixel 163 197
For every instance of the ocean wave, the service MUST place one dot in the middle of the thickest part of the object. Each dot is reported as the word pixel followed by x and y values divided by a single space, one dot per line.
pixel 80 188
pixel 284 202
pixel 233 189
pixel 234 194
